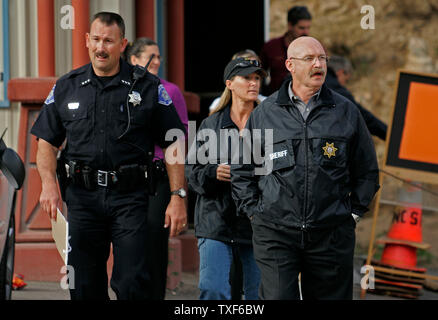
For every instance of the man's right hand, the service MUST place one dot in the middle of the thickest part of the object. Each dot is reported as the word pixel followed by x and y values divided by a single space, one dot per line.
pixel 46 164
pixel 49 199
pixel 223 173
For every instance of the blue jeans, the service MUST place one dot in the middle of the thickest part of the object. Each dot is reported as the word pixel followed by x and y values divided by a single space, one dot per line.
pixel 214 270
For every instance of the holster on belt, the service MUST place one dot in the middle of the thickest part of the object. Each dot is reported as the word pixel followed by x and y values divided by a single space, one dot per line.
pixel 61 174
pixel 151 176
pixel 131 177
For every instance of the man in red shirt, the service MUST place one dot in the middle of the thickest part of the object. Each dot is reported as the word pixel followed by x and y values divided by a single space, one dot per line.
pixel 274 52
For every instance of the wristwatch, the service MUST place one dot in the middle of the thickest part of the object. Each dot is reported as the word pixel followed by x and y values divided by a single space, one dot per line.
pixel 180 192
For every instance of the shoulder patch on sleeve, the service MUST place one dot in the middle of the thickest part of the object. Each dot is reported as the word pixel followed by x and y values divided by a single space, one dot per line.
pixel 163 96
pixel 51 97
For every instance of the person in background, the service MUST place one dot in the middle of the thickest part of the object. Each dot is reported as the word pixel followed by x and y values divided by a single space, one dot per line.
pixel 221 233
pixel 274 52
pixel 247 53
pixel 236 273
pixel 339 70
pixel 140 52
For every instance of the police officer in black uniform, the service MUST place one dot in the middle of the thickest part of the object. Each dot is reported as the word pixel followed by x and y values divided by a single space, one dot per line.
pixel 111 115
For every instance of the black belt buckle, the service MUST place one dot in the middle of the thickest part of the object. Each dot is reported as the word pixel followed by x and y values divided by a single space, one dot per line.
pixel 102 178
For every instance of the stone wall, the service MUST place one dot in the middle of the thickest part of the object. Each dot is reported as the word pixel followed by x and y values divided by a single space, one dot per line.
pixel 405 37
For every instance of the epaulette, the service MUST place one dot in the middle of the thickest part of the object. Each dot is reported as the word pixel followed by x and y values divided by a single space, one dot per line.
pixel 75 72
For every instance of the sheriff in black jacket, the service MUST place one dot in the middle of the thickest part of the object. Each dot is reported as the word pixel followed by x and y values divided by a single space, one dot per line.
pixel 322 173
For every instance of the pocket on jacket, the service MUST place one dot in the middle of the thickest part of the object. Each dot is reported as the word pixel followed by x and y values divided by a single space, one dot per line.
pixel 330 157
pixel 280 155
pixel 76 118
pixel 330 152
pixel 275 186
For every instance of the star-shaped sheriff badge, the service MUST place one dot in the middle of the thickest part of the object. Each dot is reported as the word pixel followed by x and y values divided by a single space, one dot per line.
pixel 330 150
pixel 135 98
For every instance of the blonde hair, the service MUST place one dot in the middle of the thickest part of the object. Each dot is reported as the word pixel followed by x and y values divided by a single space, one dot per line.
pixel 226 94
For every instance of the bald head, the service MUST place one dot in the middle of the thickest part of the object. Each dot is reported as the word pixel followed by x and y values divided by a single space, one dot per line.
pixel 307 63
pixel 302 44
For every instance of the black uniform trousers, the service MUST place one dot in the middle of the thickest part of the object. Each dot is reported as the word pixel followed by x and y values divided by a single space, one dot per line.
pixel 324 258
pixel 157 235
pixel 96 219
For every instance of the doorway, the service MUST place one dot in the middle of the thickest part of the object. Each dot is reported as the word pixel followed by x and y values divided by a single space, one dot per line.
pixel 214 31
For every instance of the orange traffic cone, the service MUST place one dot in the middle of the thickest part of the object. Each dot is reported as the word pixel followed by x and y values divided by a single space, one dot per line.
pixel 400 252
pixel 407 225
pixel 403 239
pixel 406 228
pixel 400 256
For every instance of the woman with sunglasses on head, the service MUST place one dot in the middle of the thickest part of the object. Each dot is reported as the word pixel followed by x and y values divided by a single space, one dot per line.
pixel 221 233
pixel 143 51
pixel 249 54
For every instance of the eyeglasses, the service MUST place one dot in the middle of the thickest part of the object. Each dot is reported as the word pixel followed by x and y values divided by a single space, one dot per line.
pixel 312 59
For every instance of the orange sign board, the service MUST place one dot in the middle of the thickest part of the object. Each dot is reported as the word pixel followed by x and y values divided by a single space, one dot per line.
pixel 411 144
pixel 418 141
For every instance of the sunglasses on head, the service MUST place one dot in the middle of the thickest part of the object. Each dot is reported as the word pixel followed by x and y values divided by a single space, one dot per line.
pixel 248 63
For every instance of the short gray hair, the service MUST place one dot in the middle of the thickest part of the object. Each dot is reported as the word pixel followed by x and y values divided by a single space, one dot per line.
pixel 340 63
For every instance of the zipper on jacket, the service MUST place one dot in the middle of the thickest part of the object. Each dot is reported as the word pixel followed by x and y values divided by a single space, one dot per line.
pixel 306 177
pixel 304 122
pixel 303 230
pixel 306 170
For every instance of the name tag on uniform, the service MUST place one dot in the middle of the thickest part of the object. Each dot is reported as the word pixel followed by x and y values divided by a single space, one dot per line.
pixel 73 105
pixel 277 155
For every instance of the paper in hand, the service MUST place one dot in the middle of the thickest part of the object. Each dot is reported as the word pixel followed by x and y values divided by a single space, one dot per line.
pixel 60 235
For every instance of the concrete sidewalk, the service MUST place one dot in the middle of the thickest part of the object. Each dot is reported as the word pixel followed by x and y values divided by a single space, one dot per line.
pixel 35 290
pixel 187 289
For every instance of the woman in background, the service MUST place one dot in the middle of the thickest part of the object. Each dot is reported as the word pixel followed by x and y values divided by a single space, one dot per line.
pixel 221 233
pixel 140 52
pixel 247 53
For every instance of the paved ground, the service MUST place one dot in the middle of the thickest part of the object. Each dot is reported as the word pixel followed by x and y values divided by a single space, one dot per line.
pixel 187 289
pixel 35 290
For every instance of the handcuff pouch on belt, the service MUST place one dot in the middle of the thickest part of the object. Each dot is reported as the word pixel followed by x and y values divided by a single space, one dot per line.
pixel 61 174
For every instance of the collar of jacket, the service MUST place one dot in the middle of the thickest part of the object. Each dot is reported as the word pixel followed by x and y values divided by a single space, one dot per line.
pixel 226 121
pixel 325 96
pixel 122 77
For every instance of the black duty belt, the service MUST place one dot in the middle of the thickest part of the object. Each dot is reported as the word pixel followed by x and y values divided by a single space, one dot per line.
pixel 160 167
pixel 126 178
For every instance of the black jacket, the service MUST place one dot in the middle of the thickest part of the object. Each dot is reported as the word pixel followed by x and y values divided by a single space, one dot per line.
pixel 375 126
pixel 215 211
pixel 323 169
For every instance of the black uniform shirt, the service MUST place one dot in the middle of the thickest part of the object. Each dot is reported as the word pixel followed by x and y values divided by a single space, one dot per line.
pixel 92 116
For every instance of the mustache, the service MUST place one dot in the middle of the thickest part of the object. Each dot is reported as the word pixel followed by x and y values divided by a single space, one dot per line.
pixel 317 70
pixel 101 54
